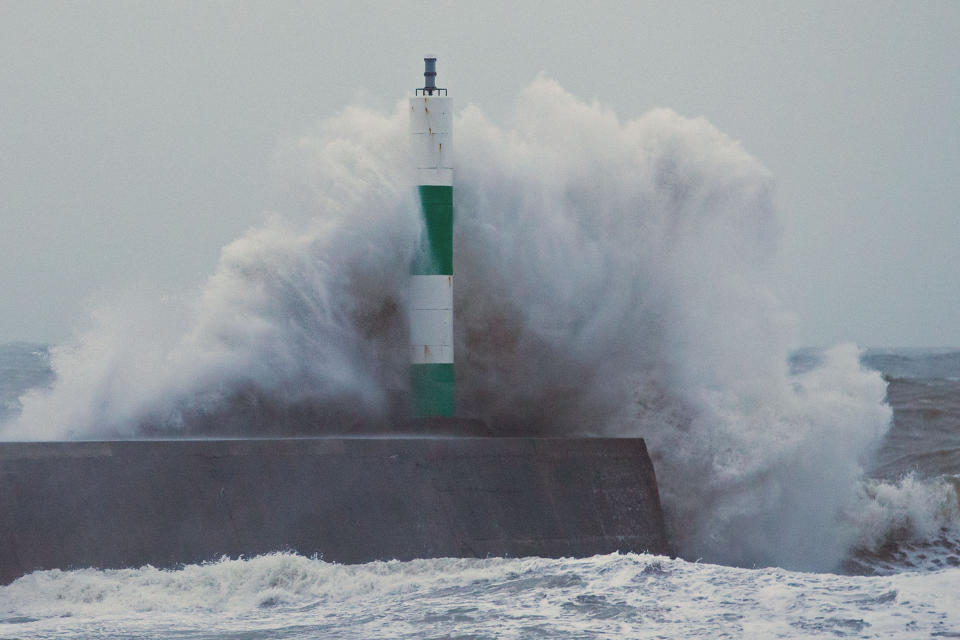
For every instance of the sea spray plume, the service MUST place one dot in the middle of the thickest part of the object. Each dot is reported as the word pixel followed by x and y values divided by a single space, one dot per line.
pixel 106 374
pixel 582 241
pixel 907 510
pixel 297 330
pixel 768 476
pixel 612 278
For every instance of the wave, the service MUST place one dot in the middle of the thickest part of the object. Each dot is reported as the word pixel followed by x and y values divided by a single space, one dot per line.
pixel 287 596
pixel 611 278
pixel 909 523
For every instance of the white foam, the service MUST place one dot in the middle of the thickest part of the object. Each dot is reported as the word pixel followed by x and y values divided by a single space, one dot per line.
pixel 623 596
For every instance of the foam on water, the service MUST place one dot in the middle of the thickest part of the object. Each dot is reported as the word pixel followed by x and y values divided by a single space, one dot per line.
pixel 611 279
pixel 623 596
pixel 908 524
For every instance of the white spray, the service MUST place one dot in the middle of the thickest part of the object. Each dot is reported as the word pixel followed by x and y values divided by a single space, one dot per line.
pixel 611 279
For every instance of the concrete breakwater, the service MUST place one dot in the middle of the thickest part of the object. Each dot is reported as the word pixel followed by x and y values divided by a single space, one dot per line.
pixel 112 504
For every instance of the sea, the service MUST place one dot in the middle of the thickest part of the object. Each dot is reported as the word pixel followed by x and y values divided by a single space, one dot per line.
pixel 614 277
pixel 907 587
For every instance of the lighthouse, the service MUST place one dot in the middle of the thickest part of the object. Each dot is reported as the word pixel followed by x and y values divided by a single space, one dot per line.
pixel 431 283
pixel 454 489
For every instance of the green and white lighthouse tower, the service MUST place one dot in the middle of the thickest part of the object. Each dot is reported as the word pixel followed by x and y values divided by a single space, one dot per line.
pixel 431 287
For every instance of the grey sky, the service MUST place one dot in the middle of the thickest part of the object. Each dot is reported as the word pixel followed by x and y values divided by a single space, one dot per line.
pixel 136 138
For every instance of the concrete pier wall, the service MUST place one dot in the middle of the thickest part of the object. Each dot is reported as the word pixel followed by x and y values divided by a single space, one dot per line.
pixel 349 500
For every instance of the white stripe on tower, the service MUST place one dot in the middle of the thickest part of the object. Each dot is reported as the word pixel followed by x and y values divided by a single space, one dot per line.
pixel 431 327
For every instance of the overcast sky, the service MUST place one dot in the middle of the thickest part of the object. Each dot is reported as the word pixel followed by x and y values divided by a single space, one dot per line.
pixel 136 138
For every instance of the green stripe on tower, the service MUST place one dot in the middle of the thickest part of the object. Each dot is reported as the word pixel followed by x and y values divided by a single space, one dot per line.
pixel 435 257
pixel 432 389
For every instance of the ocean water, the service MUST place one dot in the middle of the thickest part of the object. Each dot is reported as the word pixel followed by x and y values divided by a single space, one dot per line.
pixel 906 586
pixel 23 366
pixel 612 278
pixel 614 596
